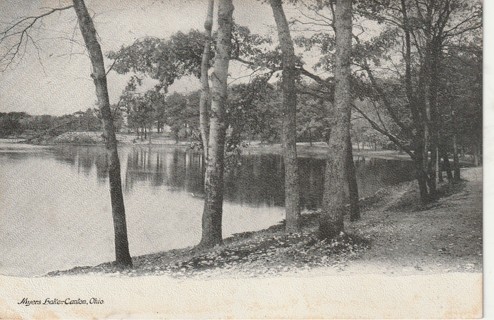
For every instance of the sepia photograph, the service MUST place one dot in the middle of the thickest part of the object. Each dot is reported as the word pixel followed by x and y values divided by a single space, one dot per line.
pixel 242 159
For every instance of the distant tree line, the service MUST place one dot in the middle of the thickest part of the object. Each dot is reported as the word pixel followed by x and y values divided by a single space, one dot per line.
pixel 15 124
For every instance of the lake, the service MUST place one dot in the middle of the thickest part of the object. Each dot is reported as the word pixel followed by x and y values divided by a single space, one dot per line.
pixel 55 203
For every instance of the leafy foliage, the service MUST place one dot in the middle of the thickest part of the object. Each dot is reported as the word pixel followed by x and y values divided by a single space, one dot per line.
pixel 162 60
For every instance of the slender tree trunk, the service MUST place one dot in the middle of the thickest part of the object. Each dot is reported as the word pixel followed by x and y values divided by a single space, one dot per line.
pixel 434 120
pixel 476 154
pixel 439 168
pixel 426 165
pixel 456 160
pixel 213 203
pixel 421 177
pixel 289 130
pixel 331 220
pixel 447 166
pixel 122 255
pixel 352 183
pixel 420 173
pixel 203 102
pixel 421 135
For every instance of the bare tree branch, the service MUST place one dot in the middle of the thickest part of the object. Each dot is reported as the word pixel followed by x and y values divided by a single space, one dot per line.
pixel 385 100
pixel 21 30
pixel 390 136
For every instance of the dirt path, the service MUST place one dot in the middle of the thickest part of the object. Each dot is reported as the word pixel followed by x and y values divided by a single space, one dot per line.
pixel 447 237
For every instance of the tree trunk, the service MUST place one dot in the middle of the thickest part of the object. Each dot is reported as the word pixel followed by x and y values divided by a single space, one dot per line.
pixel 476 154
pixel 289 130
pixel 420 173
pixel 420 138
pixel 331 220
pixel 203 102
pixel 456 160
pixel 122 255
pixel 439 168
pixel 426 163
pixel 213 203
pixel 447 166
pixel 434 120
pixel 421 177
pixel 352 183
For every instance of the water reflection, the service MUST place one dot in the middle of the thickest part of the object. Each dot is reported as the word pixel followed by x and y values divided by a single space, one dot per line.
pixel 258 181
pixel 56 211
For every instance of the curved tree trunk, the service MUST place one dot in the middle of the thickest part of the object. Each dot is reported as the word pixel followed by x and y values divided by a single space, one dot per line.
pixel 122 255
pixel 331 220
pixel 213 203
pixel 289 130
pixel 203 102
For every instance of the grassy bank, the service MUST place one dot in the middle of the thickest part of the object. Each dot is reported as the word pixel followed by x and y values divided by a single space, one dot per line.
pixel 394 236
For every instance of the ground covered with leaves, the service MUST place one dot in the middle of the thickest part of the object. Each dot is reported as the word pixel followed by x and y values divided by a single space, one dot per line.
pixel 440 237
pixel 396 235
pixel 267 252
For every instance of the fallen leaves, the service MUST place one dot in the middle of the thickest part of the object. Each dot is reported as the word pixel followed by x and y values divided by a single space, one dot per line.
pixel 265 254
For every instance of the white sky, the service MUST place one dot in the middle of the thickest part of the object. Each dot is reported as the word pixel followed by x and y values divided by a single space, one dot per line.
pixel 61 83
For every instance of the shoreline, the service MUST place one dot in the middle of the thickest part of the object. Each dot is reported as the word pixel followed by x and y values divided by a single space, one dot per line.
pixel 317 150
pixel 385 241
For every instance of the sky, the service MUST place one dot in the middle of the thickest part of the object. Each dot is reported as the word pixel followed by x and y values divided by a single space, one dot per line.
pixel 56 79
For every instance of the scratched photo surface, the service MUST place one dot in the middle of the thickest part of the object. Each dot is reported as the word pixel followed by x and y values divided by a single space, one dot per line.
pixel 241 158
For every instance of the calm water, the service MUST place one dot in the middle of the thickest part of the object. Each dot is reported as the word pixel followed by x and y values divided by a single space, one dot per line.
pixel 55 207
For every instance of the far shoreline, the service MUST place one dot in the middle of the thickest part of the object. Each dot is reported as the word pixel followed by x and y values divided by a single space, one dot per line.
pixel 316 150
